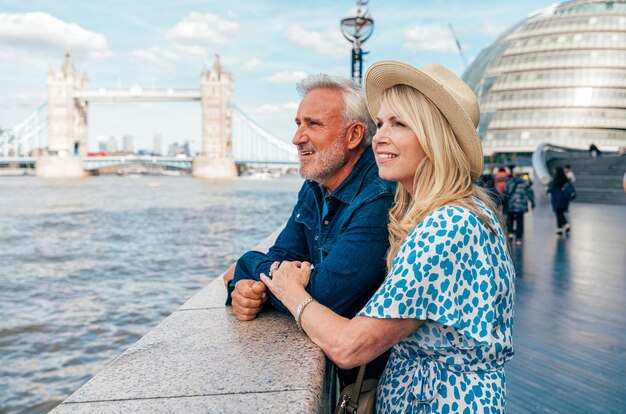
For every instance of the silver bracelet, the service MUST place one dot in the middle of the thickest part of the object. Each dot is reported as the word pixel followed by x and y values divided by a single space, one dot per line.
pixel 300 309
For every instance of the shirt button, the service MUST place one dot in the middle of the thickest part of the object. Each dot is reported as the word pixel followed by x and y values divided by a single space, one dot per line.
pixel 326 222
pixel 316 237
pixel 298 215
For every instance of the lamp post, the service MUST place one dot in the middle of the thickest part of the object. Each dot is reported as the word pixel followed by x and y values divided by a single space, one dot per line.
pixel 357 27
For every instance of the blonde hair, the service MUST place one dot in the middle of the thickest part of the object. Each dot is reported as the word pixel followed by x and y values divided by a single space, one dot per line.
pixel 443 177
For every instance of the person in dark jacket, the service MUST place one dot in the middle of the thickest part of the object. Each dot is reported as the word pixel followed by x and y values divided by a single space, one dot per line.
pixel 517 194
pixel 341 212
pixel 560 202
pixel 487 182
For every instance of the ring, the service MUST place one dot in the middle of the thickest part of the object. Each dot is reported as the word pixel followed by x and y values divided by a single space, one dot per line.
pixel 272 270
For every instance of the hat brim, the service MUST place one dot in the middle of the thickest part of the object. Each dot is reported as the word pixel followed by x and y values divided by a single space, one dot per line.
pixel 385 74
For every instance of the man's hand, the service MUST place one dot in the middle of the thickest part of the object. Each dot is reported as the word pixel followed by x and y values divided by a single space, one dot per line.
pixel 288 282
pixel 248 298
pixel 229 274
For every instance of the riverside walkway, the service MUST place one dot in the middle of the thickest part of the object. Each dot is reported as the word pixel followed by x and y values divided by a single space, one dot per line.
pixel 569 337
pixel 570 314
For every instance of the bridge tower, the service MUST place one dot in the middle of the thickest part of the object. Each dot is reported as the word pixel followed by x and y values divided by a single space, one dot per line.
pixel 216 90
pixel 67 123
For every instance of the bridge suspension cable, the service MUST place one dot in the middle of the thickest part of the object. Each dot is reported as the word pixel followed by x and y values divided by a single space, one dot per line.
pixel 30 134
pixel 253 143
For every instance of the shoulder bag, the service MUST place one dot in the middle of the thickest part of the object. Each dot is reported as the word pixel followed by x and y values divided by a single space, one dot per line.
pixel 360 397
pixel 569 191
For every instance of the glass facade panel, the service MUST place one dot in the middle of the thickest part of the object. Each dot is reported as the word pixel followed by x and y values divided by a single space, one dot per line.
pixel 589 40
pixel 611 78
pixel 580 23
pixel 567 97
pixel 559 76
pixel 496 141
pixel 592 7
pixel 559 118
pixel 561 59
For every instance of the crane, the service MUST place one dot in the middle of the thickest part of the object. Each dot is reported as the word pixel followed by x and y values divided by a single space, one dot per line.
pixel 458 45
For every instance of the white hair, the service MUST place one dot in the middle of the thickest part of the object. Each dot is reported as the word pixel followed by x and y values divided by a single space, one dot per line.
pixel 355 107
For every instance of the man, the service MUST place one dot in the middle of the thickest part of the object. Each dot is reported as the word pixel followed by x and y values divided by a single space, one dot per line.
pixel 339 223
pixel 569 174
pixel 517 194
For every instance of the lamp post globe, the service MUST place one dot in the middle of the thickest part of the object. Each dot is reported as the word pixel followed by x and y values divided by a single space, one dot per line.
pixel 357 26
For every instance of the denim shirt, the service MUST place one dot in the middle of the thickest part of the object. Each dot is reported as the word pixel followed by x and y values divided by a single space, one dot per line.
pixel 347 246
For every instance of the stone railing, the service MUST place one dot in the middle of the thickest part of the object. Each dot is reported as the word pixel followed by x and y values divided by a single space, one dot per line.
pixel 202 359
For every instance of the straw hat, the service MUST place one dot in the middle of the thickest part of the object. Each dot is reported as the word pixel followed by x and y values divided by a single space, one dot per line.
pixel 456 101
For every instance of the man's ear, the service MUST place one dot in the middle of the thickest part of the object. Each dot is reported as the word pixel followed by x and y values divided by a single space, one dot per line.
pixel 355 134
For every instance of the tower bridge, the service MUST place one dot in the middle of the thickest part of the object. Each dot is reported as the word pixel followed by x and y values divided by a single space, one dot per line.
pixel 55 134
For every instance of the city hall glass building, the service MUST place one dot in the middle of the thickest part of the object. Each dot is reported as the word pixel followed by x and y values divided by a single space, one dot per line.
pixel 559 76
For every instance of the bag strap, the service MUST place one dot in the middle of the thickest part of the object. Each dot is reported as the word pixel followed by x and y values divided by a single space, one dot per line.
pixel 356 391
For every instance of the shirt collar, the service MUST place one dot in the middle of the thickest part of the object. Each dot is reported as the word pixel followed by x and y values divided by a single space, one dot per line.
pixel 347 190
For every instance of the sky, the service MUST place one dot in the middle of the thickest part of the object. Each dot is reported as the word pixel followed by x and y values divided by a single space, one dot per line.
pixel 268 45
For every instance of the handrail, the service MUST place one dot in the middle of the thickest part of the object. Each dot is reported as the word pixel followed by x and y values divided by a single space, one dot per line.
pixel 540 159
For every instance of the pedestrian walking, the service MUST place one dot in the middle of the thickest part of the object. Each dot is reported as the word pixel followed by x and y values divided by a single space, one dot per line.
pixel 569 174
pixel 500 179
pixel 518 193
pixel 561 192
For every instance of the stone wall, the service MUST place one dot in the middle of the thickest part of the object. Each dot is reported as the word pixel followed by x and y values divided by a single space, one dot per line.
pixel 202 359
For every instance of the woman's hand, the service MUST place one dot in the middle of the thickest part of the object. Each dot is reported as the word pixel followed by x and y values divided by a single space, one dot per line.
pixel 288 282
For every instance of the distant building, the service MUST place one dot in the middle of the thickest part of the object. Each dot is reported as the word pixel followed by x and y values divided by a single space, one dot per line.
pixel 185 149
pixel 111 145
pixel 157 144
pixel 127 144
pixel 559 76
pixel 176 149
pixel 102 145
pixel 216 86
pixel 67 116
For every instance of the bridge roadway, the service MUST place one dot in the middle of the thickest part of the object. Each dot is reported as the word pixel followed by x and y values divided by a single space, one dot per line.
pixel 138 94
pixel 569 339
pixel 183 163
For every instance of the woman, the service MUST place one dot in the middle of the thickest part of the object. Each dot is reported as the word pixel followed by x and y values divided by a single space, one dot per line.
pixel 446 306
pixel 560 200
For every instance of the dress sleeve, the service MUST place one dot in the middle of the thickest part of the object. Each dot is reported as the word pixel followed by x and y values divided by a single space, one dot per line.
pixel 450 270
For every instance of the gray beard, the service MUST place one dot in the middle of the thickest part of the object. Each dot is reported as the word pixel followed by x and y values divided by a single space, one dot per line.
pixel 332 159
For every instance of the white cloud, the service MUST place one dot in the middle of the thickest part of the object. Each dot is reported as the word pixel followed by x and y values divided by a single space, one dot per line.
pixel 274 109
pixel 268 109
pixel 329 42
pixel 430 38
pixel 286 76
pixel 197 31
pixel 45 32
pixel 490 29
pixel 153 56
pixel 22 101
pixel 252 63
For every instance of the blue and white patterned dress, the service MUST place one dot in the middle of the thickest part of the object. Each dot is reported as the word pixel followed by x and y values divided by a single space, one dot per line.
pixel 455 274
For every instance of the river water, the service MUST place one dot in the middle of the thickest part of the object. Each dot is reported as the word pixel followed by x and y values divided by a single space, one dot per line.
pixel 87 267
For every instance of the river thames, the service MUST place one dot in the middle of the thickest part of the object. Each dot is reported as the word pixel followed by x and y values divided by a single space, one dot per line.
pixel 88 267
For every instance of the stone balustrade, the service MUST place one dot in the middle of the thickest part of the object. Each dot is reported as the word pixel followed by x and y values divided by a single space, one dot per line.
pixel 201 359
